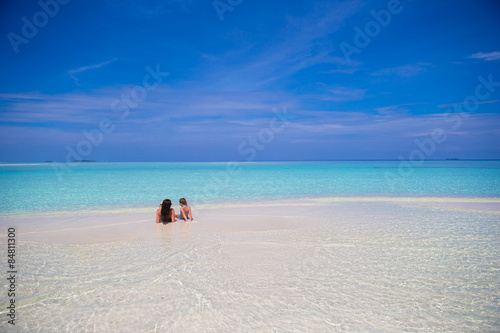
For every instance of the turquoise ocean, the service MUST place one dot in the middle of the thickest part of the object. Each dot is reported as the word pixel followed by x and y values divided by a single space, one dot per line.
pixel 88 186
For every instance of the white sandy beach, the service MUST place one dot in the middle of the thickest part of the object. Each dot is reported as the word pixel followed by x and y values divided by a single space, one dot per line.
pixel 325 264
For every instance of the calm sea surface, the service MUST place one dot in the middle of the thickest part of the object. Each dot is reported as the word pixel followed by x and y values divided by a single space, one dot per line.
pixel 46 187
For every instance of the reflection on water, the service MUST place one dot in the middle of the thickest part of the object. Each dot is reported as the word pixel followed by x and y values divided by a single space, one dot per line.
pixel 169 231
pixel 166 235
pixel 353 267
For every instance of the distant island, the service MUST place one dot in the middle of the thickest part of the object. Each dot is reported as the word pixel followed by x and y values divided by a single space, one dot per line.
pixel 452 159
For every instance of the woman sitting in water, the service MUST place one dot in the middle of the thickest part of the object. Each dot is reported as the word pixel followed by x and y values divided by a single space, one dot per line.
pixel 165 213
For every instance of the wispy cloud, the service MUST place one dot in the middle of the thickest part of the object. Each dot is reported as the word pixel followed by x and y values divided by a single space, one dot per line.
pixel 161 106
pixel 403 71
pixel 343 67
pixel 172 116
pixel 441 106
pixel 304 42
pixel 73 72
pixel 343 94
pixel 38 108
pixel 486 56
pixel 341 71
pixel 398 109
pixel 389 111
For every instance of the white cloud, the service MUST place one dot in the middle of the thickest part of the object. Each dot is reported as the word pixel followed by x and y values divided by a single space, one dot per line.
pixel 403 71
pixel 342 71
pixel 72 72
pixel 486 56
pixel 392 110
pixel 343 94
pixel 441 106
pixel 161 105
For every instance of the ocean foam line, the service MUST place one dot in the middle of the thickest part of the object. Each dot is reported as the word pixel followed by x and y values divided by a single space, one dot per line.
pixel 299 201
pixel 322 200
pixel 410 199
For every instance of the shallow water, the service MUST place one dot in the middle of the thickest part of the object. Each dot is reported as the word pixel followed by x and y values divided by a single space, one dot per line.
pixel 348 267
pixel 43 187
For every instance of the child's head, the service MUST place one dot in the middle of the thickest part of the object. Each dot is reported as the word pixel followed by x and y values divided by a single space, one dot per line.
pixel 183 202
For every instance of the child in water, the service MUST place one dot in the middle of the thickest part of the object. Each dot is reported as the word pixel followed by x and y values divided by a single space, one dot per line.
pixel 185 211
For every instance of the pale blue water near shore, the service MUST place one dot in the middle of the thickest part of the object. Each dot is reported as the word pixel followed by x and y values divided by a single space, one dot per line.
pixel 83 186
pixel 337 267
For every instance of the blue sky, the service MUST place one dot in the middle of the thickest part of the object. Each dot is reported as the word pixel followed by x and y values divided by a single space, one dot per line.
pixel 411 87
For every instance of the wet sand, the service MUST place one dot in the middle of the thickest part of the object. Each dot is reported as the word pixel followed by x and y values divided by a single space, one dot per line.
pixel 122 225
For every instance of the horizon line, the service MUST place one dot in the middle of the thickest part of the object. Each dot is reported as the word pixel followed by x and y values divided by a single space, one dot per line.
pixel 261 161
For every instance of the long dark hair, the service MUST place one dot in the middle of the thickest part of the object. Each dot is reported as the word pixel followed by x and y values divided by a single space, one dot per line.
pixel 165 210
